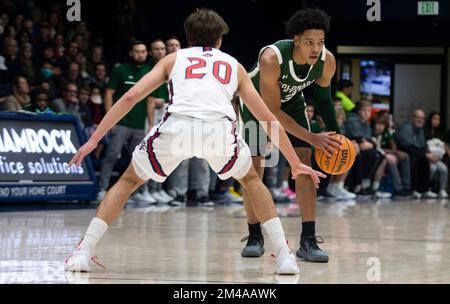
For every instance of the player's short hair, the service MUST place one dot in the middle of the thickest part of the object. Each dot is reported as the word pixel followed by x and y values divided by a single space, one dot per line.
pixel 204 27
pixel 307 19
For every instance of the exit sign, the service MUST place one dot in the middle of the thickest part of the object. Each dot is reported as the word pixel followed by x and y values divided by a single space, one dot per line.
pixel 429 8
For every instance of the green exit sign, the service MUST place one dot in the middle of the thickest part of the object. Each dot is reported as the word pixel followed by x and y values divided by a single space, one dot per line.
pixel 429 8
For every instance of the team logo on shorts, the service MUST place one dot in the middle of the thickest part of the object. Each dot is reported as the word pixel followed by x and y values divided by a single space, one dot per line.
pixel 143 146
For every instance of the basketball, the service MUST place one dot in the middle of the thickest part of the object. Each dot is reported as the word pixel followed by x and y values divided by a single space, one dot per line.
pixel 340 161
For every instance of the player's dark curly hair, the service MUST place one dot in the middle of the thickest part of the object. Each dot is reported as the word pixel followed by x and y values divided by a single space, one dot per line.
pixel 307 19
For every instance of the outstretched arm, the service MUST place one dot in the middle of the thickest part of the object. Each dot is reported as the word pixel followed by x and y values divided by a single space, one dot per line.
pixel 258 108
pixel 139 91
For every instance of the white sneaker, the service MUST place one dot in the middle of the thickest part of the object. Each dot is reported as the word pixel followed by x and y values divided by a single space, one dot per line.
pixel 286 262
pixel 78 261
pixel 344 194
pixel 443 194
pixel 332 189
pixel 101 195
pixel 380 194
pixel 166 195
pixel 416 195
pixel 161 198
pixel 430 194
pixel 143 197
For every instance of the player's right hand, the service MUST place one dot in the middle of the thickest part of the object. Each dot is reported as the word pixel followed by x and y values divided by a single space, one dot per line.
pixel 87 148
pixel 326 141
pixel 304 169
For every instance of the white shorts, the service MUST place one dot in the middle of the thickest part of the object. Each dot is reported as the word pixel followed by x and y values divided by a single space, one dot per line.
pixel 179 137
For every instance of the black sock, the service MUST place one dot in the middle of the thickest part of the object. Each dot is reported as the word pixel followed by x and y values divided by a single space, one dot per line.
pixel 308 229
pixel 254 229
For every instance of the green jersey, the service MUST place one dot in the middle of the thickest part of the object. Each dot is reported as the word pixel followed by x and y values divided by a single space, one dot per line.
pixel 122 79
pixel 294 78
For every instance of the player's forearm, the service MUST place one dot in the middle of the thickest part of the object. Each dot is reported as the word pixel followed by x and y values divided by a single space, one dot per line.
pixel 112 117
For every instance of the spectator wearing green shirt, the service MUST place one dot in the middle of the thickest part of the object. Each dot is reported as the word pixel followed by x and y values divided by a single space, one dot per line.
pixel 343 93
pixel 131 128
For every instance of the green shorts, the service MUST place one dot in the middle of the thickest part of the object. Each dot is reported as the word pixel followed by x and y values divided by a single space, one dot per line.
pixel 255 136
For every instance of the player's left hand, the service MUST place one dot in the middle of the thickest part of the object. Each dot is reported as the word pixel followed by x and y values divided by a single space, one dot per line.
pixel 304 169
pixel 87 148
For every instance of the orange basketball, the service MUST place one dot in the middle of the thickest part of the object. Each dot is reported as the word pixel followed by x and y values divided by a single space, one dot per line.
pixel 341 161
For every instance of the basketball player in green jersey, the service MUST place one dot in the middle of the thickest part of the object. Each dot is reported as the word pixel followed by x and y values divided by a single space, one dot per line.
pixel 284 69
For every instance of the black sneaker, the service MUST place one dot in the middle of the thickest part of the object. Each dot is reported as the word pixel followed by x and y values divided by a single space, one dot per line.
pixel 178 201
pixel 366 192
pixel 403 193
pixel 254 247
pixel 310 251
pixel 205 202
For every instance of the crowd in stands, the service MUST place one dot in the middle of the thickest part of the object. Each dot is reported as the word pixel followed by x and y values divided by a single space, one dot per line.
pixel 48 66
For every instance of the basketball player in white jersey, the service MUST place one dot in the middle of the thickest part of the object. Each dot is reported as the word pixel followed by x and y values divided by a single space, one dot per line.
pixel 202 81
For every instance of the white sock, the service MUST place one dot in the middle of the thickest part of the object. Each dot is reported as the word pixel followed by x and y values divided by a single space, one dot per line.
pixel 340 185
pixel 375 185
pixel 94 233
pixel 331 187
pixel 285 185
pixel 276 234
pixel 365 183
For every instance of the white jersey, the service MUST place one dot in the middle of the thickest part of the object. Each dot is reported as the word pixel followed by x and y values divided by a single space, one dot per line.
pixel 202 84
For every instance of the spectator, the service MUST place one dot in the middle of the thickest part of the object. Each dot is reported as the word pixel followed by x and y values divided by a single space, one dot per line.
pixel 85 112
pixel 23 37
pixel 20 97
pixel 47 72
pixel 335 187
pixel 72 75
pixel 410 138
pixel 95 58
pixel 97 110
pixel 28 26
pixel 55 23
pixel 70 55
pixel 344 92
pixel 69 103
pixel 172 44
pixel 25 62
pixel 8 60
pixel 59 46
pixel 131 128
pixel 48 55
pixel 395 158
pixel 357 128
pixel 39 102
pixel 99 78
pixel 436 145
pixel 96 105
pixel 44 39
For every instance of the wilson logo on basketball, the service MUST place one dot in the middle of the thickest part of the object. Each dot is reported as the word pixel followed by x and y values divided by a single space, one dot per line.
pixel 343 161
pixel 339 162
